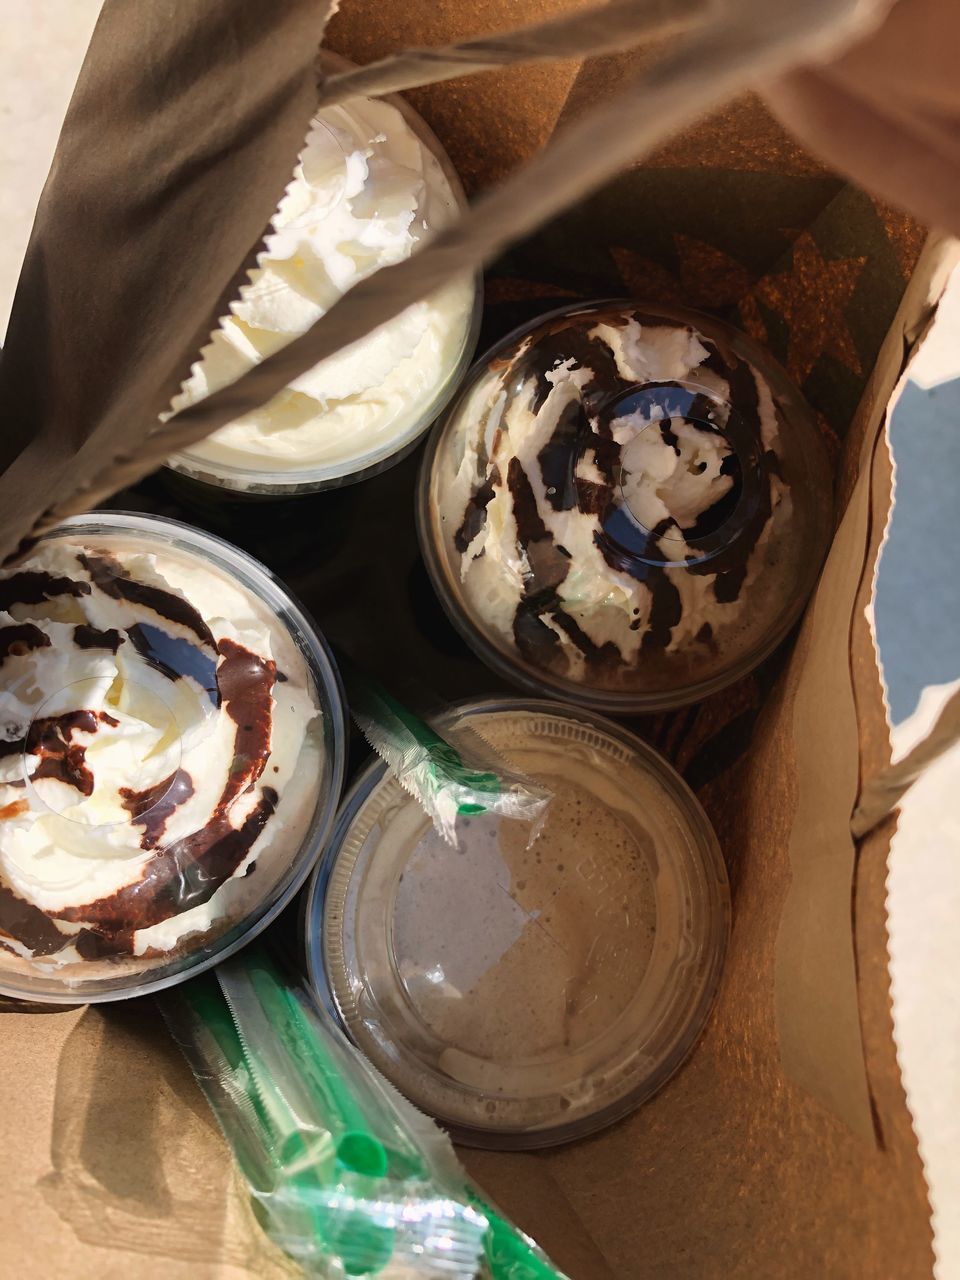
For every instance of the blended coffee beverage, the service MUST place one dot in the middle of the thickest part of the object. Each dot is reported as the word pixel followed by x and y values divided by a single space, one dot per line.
pixel 626 507
pixel 371 185
pixel 532 984
pixel 167 754
pixel 556 926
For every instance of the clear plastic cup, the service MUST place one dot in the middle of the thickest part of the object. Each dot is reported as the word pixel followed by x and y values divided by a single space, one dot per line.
pixel 315 435
pixel 626 506
pixel 525 993
pixel 172 745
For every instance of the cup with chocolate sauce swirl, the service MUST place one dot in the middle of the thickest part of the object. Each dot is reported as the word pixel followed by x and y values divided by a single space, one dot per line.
pixel 171 756
pixel 626 506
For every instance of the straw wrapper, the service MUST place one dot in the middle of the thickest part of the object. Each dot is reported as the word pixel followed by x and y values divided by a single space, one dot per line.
pixel 348 1178
pixel 446 782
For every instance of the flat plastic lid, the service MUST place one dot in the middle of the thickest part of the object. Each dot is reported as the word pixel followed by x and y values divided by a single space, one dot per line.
pixel 527 993
pixel 626 507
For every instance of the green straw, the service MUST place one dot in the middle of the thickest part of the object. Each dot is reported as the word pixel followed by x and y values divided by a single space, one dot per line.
pixel 357 1148
pixel 342 1167
pixel 509 1253
pixel 271 1031
pixel 200 1021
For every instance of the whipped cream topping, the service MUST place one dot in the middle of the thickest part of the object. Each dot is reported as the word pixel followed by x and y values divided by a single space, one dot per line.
pixel 674 475
pixel 159 753
pixel 613 504
pixel 365 193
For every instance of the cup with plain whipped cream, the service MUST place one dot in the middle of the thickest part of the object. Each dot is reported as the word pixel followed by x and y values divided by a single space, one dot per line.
pixel 371 184
pixel 171 756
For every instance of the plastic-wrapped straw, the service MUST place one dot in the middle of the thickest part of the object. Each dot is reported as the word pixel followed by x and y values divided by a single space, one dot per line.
pixel 349 1178
pixel 445 780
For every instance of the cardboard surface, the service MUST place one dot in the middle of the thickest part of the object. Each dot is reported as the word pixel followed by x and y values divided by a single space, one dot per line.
pixel 115 1163
pixel 840 731
pixel 734 1169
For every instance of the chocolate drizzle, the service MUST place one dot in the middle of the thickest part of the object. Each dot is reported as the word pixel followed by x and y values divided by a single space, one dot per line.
pixel 29 925
pixel 598 656
pixel 537 642
pixel 60 757
pixel 564 343
pixel 666 609
pixel 625 545
pixel 152 807
pixel 175 657
pixel 530 632
pixel 475 515
pixel 729 566
pixel 33 586
pixel 187 872
pixel 559 456
pixel 716 516
pixel 115 581
pixel 592 498
pixel 87 637
pixel 20 638
pixel 549 566
pixel 530 526
pixel 246 683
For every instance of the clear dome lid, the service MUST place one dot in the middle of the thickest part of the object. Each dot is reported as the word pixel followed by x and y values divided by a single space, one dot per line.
pixel 171 756
pixel 625 506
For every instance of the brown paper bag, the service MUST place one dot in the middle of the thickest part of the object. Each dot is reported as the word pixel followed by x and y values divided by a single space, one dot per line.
pixel 784 1147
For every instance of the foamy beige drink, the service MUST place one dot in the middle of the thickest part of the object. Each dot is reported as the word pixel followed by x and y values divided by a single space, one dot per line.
pixel 525 990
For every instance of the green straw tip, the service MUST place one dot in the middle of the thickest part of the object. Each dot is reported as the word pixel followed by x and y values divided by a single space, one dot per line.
pixel 363 1247
pixel 361 1153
